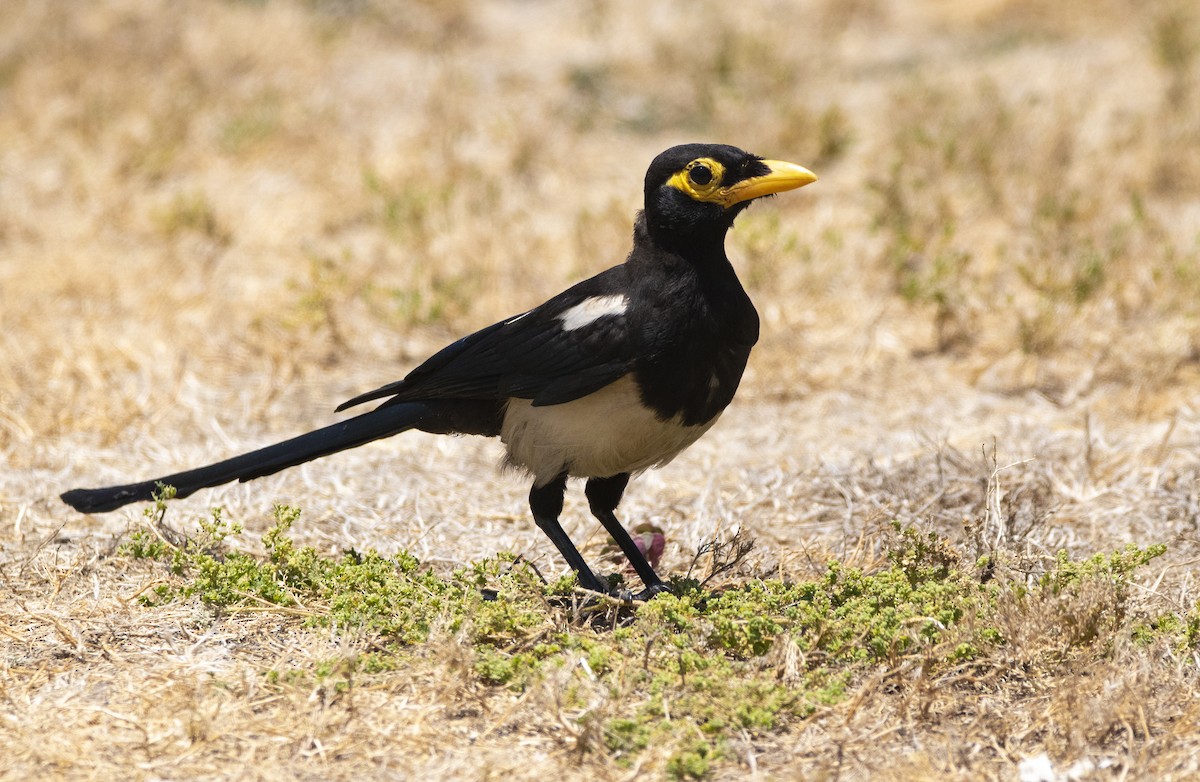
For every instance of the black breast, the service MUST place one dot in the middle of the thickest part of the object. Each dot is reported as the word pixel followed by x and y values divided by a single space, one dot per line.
pixel 694 388
pixel 697 334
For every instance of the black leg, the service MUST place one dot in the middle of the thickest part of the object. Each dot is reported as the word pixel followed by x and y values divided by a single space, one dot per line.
pixel 604 494
pixel 546 503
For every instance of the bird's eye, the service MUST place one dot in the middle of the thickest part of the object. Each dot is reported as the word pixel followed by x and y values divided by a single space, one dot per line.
pixel 700 180
pixel 700 174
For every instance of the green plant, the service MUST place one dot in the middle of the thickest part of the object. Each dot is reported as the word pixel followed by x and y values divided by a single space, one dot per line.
pixel 689 671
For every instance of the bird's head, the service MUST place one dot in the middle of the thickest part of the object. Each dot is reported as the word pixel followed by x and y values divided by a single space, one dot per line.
pixel 694 191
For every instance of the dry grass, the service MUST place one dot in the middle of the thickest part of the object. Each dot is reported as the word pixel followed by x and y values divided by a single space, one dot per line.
pixel 219 219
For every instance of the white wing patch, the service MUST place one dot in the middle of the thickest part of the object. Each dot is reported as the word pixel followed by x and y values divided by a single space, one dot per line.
pixel 593 309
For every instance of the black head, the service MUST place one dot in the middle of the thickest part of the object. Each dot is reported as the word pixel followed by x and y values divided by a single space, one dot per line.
pixel 694 191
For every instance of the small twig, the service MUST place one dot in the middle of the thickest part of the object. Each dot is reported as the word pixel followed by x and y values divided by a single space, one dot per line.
pixel 38 548
pixel 143 590
pixel 1161 454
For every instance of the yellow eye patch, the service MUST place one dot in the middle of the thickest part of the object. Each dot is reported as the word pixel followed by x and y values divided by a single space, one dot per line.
pixel 701 179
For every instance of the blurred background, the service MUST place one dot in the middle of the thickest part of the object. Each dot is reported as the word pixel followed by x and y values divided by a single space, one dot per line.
pixel 220 218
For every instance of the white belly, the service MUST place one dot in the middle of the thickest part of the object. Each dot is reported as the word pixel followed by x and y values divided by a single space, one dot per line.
pixel 599 435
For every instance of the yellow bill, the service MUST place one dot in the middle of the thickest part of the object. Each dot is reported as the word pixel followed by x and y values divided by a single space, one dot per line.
pixel 783 176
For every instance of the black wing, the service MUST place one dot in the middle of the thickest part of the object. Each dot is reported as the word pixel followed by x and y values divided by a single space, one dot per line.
pixel 531 356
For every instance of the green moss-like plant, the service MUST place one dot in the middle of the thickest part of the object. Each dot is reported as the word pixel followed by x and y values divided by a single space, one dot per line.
pixel 688 671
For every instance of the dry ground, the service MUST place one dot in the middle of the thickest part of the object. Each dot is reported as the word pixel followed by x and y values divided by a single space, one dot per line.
pixel 220 219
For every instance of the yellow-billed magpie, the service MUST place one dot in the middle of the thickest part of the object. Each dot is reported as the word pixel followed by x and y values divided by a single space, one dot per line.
pixel 610 377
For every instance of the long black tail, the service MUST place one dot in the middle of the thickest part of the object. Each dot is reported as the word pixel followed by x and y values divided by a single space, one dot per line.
pixel 384 421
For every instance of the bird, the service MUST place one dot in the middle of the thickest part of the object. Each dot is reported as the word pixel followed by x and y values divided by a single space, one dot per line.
pixel 615 375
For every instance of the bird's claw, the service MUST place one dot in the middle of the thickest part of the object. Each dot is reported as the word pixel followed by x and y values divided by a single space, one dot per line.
pixel 651 591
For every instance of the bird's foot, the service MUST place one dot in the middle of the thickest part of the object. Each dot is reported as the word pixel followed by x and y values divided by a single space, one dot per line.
pixel 652 590
pixel 614 594
pixel 628 596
